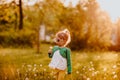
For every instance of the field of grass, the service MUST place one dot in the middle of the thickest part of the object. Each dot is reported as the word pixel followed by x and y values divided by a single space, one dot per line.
pixel 26 64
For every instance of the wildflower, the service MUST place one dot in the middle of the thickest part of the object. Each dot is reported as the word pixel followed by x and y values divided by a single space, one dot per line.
pixel 35 65
pixel 35 75
pixel 29 65
pixel 105 69
pixel 115 66
pixel 113 72
pixel 88 79
pixel 90 69
pixel 93 74
pixel 26 78
pixel 115 76
pixel 34 68
pixel 29 69
pixel 41 65
pixel 44 69
pixel 18 71
pixel 6 78
pixel 77 72
pixel 91 62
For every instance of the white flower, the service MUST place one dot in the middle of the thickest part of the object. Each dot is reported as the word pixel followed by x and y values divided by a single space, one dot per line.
pixel 35 75
pixel 41 65
pixel 26 78
pixel 105 69
pixel 34 68
pixel 35 65
pixel 29 69
pixel 88 79
pixel 44 69
pixel 115 66
pixel 93 74
pixel 29 65
pixel 115 76
pixel 18 71
pixel 113 72
pixel 91 62
pixel 77 72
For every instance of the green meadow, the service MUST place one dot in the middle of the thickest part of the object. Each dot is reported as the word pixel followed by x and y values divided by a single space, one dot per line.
pixel 26 64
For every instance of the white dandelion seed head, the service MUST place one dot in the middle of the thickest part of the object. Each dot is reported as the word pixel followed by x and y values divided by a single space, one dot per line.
pixel 114 66
pixel 77 72
pixel 34 69
pixel 115 76
pixel 104 69
pixel 29 65
pixel 35 75
pixel 88 79
pixel 41 65
pixel 35 65
pixel 44 69
pixel 26 78
pixel 113 72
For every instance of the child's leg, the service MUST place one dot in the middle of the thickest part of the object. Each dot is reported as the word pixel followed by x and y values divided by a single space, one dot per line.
pixel 61 75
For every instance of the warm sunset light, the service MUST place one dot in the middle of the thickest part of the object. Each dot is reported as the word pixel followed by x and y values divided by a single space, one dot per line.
pixel 59 40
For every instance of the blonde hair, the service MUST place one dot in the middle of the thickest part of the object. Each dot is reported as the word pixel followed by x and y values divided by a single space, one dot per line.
pixel 65 35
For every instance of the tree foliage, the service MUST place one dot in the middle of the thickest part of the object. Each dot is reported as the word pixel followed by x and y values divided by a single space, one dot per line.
pixel 90 27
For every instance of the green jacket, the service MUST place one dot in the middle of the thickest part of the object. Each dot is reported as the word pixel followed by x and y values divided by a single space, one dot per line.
pixel 66 53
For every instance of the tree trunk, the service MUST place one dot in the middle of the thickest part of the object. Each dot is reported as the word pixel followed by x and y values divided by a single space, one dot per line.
pixel 21 15
pixel 38 40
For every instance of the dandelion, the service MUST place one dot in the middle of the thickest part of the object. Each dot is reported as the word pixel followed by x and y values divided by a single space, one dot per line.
pixel 29 65
pixel 54 76
pixel 41 65
pixel 44 69
pixel 77 72
pixel 18 71
pixel 26 78
pixel 91 62
pixel 113 72
pixel 6 78
pixel 23 66
pixel 35 65
pixel 34 68
pixel 88 79
pixel 29 69
pixel 35 75
pixel 90 69
pixel 115 66
pixel 115 76
pixel 104 77
pixel 93 74
pixel 96 72
pixel 105 69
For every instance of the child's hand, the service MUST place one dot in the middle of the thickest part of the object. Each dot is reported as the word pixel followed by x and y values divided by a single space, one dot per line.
pixel 50 50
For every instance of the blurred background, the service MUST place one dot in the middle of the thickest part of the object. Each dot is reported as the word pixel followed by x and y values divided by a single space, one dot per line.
pixel 23 22
pixel 29 26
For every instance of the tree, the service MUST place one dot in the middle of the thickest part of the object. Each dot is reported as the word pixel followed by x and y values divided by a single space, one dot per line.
pixel 21 15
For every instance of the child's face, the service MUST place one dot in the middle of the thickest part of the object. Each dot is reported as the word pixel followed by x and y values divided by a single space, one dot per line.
pixel 59 41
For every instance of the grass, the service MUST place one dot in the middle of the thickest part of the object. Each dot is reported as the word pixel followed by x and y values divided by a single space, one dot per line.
pixel 26 64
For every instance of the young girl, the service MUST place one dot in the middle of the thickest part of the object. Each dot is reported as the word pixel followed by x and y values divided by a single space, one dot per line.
pixel 61 55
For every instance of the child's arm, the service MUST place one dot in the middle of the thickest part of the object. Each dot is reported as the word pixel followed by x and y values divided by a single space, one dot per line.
pixel 69 66
pixel 50 52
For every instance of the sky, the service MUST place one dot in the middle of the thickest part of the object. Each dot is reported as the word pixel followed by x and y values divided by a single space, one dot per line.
pixel 111 7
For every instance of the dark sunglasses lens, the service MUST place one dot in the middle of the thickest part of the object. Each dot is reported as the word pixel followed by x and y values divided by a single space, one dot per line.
pixel 58 40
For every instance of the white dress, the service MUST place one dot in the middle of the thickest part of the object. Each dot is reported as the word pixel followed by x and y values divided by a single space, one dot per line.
pixel 58 61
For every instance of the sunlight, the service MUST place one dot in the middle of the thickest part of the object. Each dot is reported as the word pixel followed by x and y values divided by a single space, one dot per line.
pixel 72 3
